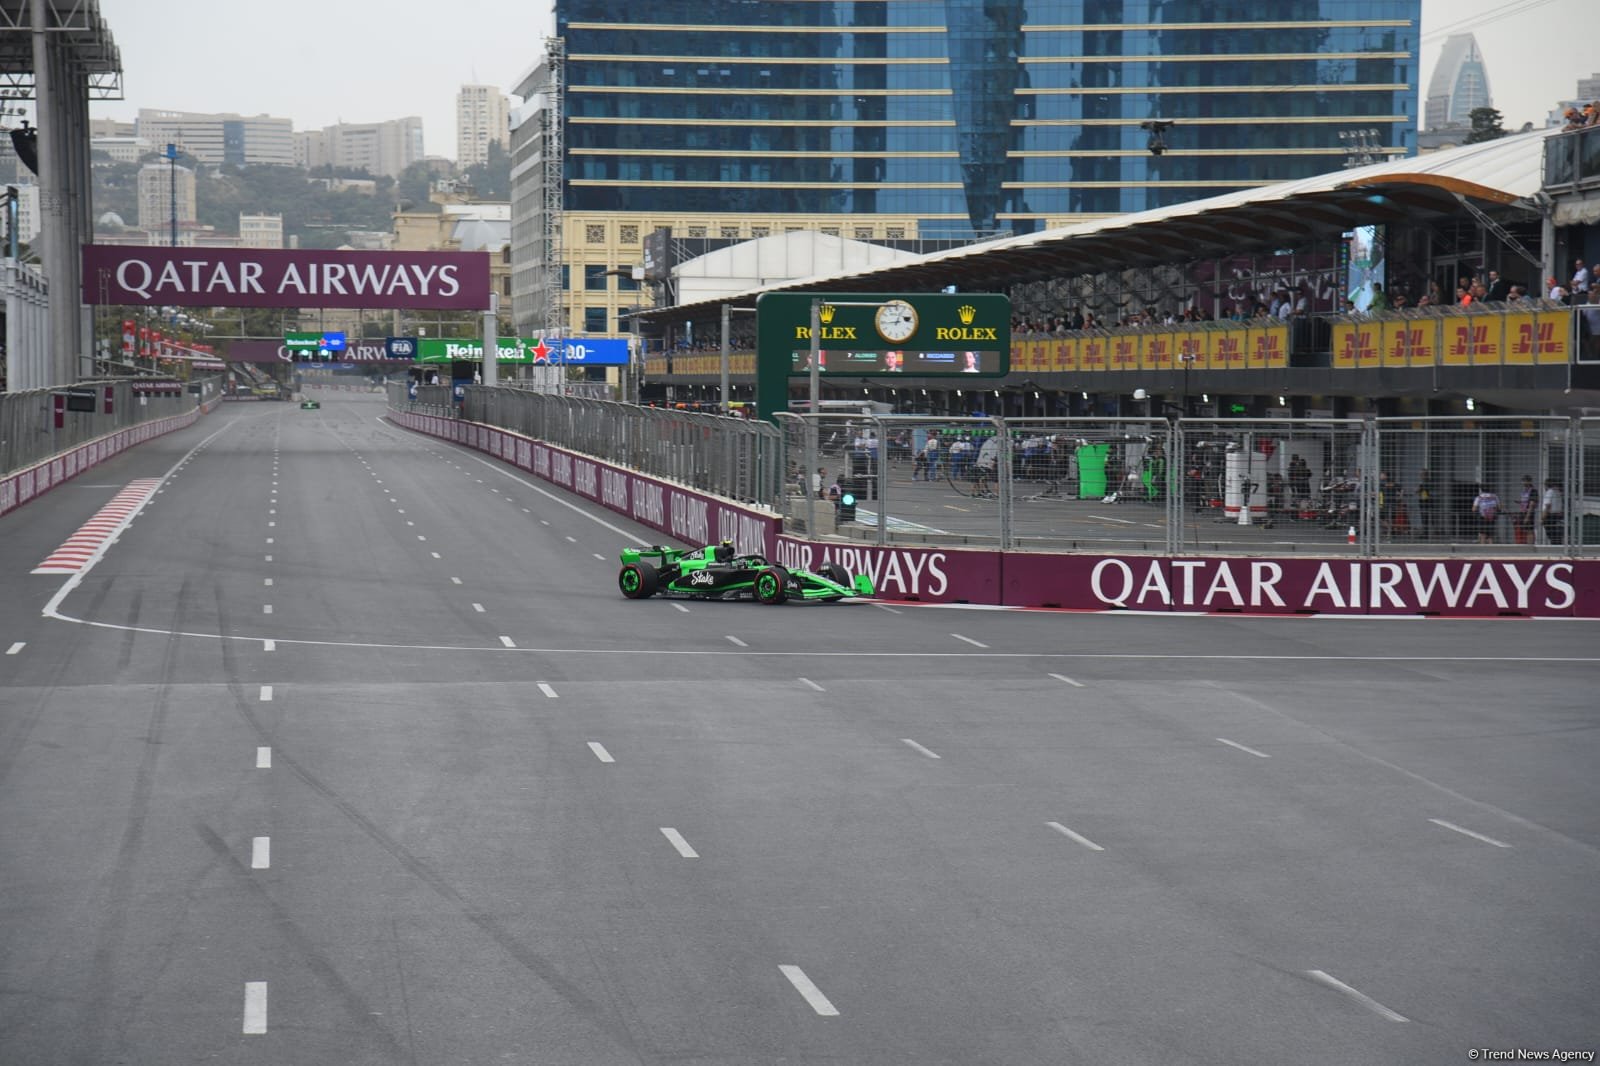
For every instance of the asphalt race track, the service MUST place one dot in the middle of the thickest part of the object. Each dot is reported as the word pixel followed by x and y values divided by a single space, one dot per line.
pixel 348 751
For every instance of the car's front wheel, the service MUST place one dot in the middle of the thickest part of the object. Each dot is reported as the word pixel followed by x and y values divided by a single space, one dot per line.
pixel 638 581
pixel 772 585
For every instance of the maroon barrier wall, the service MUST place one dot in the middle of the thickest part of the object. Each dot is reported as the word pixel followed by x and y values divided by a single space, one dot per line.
pixel 18 488
pixel 1447 587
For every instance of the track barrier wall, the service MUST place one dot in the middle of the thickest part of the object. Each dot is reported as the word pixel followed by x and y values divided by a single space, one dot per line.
pixel 30 482
pixel 1345 582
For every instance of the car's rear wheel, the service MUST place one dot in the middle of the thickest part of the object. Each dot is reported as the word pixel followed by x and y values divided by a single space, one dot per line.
pixel 772 585
pixel 638 581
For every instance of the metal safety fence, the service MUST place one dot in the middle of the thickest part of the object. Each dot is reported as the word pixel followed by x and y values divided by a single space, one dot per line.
pixel 1374 486
pixel 730 457
pixel 32 430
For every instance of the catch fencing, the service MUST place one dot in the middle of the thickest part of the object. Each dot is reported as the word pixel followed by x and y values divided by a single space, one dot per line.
pixel 1391 487
pixel 29 433
pixel 733 458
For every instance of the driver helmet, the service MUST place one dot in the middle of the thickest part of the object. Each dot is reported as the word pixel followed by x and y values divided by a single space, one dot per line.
pixel 724 551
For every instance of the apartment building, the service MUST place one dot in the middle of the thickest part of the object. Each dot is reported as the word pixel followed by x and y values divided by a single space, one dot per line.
pixel 221 138
pixel 158 182
pixel 483 116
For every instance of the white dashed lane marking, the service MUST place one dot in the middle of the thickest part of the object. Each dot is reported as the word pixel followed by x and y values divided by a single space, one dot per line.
pixel 18 646
pixel 547 690
pixel 255 1007
pixel 266 693
pixel 600 752
pixel 813 995
pixel 812 684
pixel 1076 837
pixel 263 758
pixel 260 853
pixel 1366 1001
pixel 508 642
pixel 969 640
pixel 678 842
pixel 918 747
pixel 1469 833
pixel 1241 747
pixel 737 641
pixel 1068 680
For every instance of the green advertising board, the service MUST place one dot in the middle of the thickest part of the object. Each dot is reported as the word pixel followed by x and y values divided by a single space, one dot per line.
pixel 878 335
pixel 470 349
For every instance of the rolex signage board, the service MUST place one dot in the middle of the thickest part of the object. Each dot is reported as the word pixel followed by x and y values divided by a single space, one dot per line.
pixel 914 334
pixel 880 335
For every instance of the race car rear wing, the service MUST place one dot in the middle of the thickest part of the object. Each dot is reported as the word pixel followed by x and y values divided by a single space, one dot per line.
pixel 654 551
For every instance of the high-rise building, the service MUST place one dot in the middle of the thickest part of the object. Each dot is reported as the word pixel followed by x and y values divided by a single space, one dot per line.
pixel 1460 84
pixel 158 183
pixel 379 148
pixel 483 116
pixel 738 119
pixel 224 138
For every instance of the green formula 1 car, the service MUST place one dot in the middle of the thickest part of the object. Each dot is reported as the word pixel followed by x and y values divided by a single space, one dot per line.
pixel 715 572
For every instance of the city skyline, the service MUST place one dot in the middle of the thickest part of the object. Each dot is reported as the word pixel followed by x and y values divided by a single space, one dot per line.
pixel 399 72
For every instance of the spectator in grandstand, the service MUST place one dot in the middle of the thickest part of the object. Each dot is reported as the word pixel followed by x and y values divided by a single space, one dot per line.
pixel 1463 294
pixel 1575 120
pixel 1551 511
pixel 1580 282
pixel 818 480
pixel 1380 302
pixel 984 469
pixel 1486 512
pixel 1499 288
pixel 1557 291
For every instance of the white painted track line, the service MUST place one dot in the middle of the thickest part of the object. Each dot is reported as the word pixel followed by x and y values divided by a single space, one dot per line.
pixel 600 752
pixel 1068 680
pixel 478 607
pixel 508 642
pixel 1470 833
pixel 806 681
pixel 266 693
pixel 1241 747
pixel 260 853
pixel 18 646
pixel 455 581
pixel 1366 1001
pixel 547 690
pixel 681 607
pixel 678 842
pixel 969 640
pixel 737 641
pixel 886 607
pixel 918 747
pixel 813 995
pixel 1075 837
pixel 255 1007
pixel 263 758
pixel 269 645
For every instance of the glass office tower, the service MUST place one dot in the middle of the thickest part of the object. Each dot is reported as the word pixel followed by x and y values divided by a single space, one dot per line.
pixel 970 117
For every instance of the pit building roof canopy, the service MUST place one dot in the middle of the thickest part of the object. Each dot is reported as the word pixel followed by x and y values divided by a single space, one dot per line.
pixel 78 24
pixel 1497 173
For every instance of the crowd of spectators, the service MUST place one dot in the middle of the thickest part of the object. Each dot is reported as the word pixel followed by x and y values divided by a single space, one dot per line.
pixel 1577 120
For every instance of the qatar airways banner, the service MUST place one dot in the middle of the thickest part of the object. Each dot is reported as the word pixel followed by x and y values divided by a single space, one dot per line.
pixel 1528 587
pixel 298 277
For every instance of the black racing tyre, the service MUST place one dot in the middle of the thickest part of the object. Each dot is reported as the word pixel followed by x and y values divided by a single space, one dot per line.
pixel 835 573
pixel 772 585
pixel 638 581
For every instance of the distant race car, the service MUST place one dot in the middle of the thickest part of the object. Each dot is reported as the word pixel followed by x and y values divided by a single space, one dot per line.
pixel 310 405
pixel 716 572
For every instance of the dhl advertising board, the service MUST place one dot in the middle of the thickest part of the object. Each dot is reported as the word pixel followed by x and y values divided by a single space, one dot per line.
pixel 1527 338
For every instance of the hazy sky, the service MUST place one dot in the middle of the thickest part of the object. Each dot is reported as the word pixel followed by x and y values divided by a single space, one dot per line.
pixel 322 61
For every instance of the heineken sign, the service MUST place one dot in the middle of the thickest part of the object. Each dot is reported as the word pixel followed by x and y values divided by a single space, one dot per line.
pixel 567 351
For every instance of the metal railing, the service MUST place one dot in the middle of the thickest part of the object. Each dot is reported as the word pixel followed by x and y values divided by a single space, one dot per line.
pixel 730 457
pixel 1374 486
pixel 28 431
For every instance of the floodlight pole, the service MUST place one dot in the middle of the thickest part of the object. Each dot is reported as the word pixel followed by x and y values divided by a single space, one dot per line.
pixel 813 409
pixel 728 310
